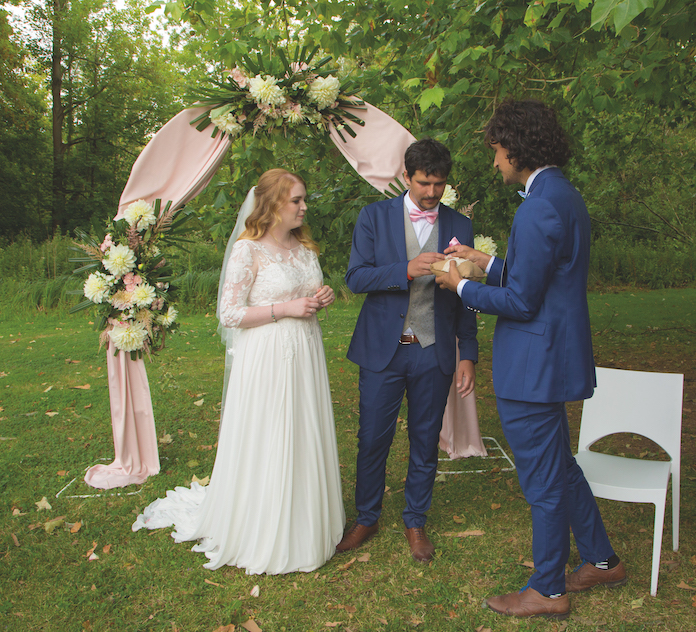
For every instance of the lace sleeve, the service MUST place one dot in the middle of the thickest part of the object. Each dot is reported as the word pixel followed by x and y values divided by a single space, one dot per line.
pixel 239 279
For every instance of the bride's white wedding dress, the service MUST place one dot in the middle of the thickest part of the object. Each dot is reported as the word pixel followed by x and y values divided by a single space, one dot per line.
pixel 274 502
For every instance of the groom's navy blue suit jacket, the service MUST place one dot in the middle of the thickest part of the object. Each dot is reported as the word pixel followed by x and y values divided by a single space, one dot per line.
pixel 377 266
pixel 542 347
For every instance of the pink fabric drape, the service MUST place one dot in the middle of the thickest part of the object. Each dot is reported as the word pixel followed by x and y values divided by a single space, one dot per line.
pixel 377 154
pixel 175 166
pixel 133 425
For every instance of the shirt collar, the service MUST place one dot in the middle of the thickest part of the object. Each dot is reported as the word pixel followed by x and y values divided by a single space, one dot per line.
pixel 412 206
pixel 532 177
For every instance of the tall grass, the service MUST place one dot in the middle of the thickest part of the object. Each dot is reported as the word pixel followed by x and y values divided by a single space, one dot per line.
pixel 39 276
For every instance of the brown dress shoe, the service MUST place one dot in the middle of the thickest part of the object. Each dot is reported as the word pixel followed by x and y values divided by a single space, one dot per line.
pixel 588 576
pixel 530 603
pixel 422 549
pixel 355 536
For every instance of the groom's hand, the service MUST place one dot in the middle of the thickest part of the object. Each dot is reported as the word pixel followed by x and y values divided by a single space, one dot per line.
pixel 466 377
pixel 420 266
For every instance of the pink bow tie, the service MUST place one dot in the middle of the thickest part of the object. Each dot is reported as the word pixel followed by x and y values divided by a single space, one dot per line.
pixel 417 214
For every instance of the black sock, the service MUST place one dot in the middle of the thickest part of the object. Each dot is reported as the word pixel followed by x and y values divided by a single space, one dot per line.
pixel 609 563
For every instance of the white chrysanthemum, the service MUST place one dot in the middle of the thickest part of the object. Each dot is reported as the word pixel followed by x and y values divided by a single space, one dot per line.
pixel 227 123
pixel 324 91
pixel 128 337
pixel 265 90
pixel 119 260
pixel 143 295
pixel 449 197
pixel 140 214
pixel 167 320
pixel 96 287
pixel 485 244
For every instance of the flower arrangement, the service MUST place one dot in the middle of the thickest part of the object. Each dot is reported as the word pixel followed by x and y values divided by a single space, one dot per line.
pixel 486 245
pixel 255 99
pixel 132 285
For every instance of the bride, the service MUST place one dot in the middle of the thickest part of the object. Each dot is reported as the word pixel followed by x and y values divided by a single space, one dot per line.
pixel 274 502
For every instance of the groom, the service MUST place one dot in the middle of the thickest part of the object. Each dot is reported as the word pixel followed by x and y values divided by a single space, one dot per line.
pixel 404 339
pixel 542 355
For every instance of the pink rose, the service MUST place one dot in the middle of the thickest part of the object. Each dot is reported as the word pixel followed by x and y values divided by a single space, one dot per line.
pixel 107 243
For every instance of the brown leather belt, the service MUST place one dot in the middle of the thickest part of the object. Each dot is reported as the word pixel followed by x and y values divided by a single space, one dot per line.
pixel 407 339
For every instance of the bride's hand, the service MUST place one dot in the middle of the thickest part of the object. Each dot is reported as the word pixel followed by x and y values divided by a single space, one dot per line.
pixel 301 307
pixel 325 295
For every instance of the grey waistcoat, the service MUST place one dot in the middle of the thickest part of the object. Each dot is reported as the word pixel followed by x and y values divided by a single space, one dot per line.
pixel 421 300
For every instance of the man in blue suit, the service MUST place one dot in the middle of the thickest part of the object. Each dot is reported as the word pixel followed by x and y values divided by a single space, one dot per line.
pixel 405 337
pixel 542 354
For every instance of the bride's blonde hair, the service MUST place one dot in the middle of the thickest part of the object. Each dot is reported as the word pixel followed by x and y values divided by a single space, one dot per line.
pixel 271 194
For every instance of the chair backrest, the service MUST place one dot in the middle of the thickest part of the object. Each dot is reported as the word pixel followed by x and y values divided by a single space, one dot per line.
pixel 638 402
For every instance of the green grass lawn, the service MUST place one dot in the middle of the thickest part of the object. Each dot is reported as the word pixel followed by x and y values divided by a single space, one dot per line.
pixel 54 423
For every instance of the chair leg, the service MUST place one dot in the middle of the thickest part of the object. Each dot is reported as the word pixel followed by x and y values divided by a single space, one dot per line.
pixel 676 488
pixel 657 543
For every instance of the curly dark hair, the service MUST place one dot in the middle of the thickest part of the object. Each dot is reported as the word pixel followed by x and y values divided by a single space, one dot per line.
pixel 530 132
pixel 429 156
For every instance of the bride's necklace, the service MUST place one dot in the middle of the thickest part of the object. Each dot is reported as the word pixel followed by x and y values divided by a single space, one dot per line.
pixel 281 245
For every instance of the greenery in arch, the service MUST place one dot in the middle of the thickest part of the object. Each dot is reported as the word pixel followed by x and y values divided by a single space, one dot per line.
pixel 619 72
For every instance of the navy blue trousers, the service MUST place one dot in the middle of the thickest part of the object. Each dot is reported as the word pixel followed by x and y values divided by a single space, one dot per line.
pixel 556 489
pixel 416 372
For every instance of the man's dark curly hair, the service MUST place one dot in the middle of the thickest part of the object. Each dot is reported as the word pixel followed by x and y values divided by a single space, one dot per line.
pixel 530 132
pixel 428 156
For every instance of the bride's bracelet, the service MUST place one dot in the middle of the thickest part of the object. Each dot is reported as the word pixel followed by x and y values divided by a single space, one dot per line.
pixel 272 314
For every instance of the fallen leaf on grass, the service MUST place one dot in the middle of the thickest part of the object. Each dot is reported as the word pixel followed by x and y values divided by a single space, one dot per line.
pixel 637 603
pixel 15 540
pixel 61 473
pixel 51 525
pixel 251 626
pixel 212 583
pixel 84 387
pixel 458 520
pixel 51 413
pixel 332 624
pixel 255 591
pixel 199 402
pixel 93 557
pixel 201 481
pixel 88 406
pixel 43 504
pixel 76 527
pixel 193 435
pixel 685 586
pixel 495 506
pixel 17 512
pixel 106 549
pixel 192 463
pixel 91 551
pixel 347 565
pixel 483 629
pixel 464 534
pixel 528 564
pixel 383 621
pixel 226 628
pixel 165 439
pixel 364 558
pixel 48 389
pixel 350 609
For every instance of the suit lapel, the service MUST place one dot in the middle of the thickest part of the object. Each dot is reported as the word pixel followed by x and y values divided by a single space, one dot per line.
pixel 398 230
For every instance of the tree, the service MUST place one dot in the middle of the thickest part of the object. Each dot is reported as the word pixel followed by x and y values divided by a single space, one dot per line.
pixel 112 86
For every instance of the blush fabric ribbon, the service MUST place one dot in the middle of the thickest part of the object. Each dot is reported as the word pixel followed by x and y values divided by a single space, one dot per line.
pixel 417 214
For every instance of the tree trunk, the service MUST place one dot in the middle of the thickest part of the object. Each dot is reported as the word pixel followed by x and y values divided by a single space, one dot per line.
pixel 58 190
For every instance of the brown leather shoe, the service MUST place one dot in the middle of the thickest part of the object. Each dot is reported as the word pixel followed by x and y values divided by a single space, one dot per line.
pixel 422 549
pixel 587 576
pixel 530 603
pixel 355 536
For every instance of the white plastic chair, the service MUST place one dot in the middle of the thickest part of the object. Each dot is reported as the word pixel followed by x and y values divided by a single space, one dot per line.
pixel 644 403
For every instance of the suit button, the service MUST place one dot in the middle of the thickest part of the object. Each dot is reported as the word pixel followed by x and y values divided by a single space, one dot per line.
pixel 402 316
